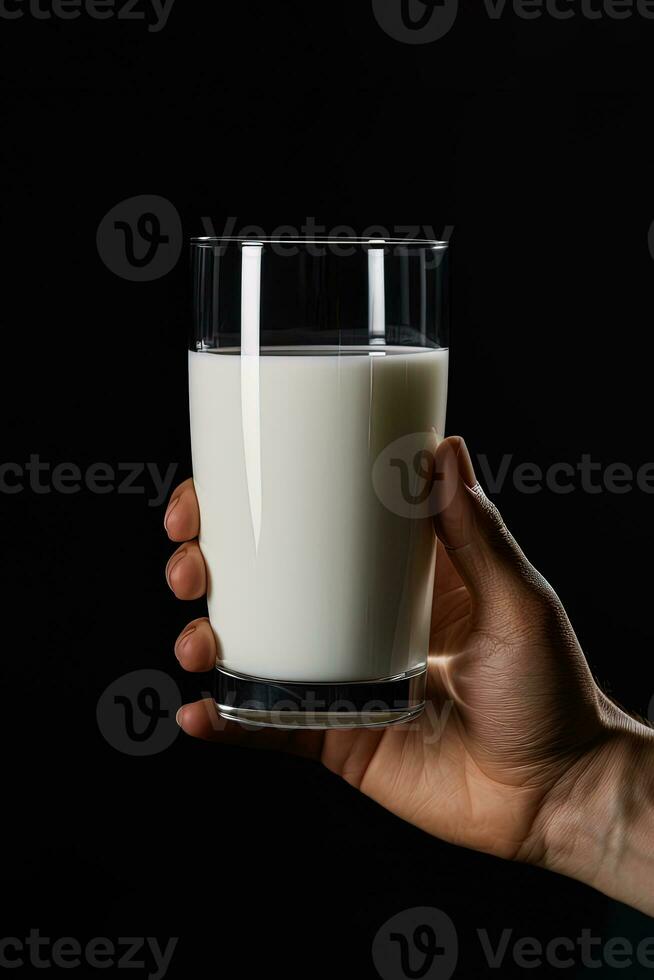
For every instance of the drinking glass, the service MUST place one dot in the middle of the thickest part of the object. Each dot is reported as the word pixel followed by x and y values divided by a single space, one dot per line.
pixel 318 385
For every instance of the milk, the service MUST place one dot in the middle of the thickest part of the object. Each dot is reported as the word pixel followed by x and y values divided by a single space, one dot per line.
pixel 313 577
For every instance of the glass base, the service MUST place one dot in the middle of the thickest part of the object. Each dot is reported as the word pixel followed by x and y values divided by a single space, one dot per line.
pixel 319 705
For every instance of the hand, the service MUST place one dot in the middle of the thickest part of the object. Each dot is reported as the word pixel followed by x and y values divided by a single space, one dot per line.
pixel 517 744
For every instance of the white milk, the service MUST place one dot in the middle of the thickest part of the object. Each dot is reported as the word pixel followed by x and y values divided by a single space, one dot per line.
pixel 311 576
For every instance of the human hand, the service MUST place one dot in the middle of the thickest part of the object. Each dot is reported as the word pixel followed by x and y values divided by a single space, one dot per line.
pixel 518 752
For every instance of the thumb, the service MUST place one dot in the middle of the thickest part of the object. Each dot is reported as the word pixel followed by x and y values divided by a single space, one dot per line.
pixel 469 525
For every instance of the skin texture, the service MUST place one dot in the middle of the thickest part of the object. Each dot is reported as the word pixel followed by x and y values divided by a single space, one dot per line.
pixel 518 752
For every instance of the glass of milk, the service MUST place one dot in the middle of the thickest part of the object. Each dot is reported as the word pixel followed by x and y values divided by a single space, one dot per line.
pixel 318 387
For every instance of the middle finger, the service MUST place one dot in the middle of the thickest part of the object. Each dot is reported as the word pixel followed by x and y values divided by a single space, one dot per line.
pixel 186 572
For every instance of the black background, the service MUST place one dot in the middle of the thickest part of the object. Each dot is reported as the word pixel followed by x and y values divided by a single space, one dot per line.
pixel 532 139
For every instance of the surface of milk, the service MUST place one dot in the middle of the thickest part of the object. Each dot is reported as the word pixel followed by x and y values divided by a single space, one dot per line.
pixel 311 576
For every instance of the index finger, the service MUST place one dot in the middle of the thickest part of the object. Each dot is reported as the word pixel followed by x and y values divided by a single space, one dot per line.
pixel 182 519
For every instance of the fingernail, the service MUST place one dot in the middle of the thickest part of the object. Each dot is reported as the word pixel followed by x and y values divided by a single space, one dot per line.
pixel 169 510
pixel 178 716
pixel 175 559
pixel 464 463
pixel 182 641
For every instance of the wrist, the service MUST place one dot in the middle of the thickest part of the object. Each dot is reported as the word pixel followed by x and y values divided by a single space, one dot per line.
pixel 597 823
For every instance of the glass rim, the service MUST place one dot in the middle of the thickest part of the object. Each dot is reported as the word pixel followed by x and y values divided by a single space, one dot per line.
pixel 210 240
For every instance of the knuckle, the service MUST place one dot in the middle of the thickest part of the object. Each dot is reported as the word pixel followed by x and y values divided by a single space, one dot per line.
pixel 541 605
pixel 495 526
pixel 525 602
